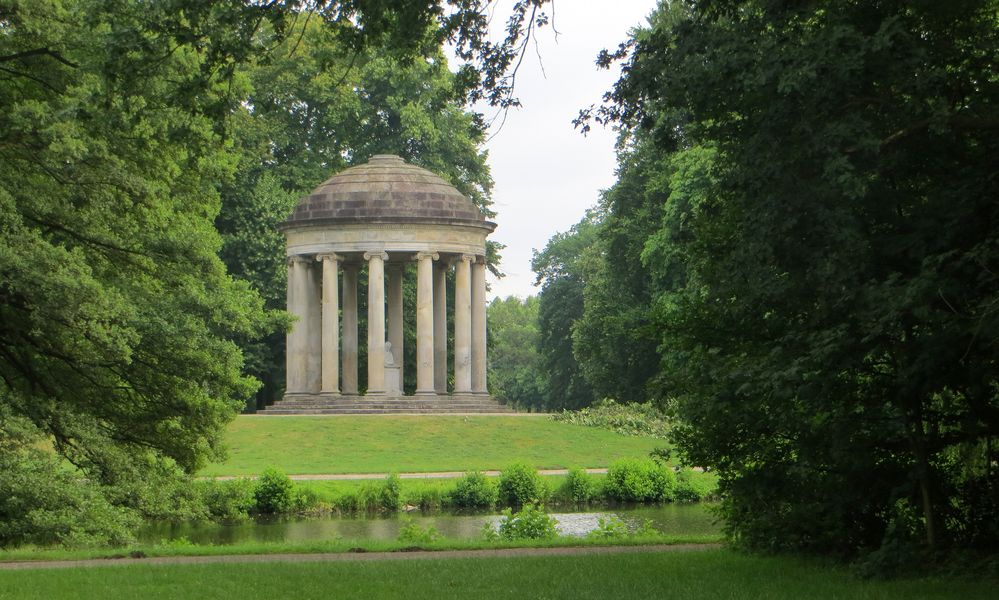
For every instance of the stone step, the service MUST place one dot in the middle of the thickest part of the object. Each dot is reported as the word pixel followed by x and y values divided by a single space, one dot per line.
pixel 315 404
pixel 376 404
pixel 378 411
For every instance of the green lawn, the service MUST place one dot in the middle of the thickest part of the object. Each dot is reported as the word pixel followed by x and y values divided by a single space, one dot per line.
pixel 363 444
pixel 700 575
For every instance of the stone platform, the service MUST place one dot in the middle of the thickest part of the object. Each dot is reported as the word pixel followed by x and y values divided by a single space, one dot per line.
pixel 317 404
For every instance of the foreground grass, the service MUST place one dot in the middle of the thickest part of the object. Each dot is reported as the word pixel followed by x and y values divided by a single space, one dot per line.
pixel 336 546
pixel 702 574
pixel 363 444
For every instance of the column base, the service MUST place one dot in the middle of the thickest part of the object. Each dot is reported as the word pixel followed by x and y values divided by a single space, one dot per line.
pixel 329 393
pixel 375 393
pixel 425 393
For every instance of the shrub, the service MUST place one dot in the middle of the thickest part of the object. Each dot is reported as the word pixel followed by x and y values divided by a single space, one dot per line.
pixel 274 492
pixel 227 500
pixel 473 490
pixel 609 528
pixel 631 480
pixel 531 523
pixel 626 419
pixel 390 494
pixel 42 503
pixel 578 487
pixel 412 533
pixel 520 484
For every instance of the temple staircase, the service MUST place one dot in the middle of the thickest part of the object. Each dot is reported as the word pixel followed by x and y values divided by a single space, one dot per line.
pixel 328 404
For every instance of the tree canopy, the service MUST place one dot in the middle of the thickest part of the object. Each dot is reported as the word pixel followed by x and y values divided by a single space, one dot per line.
pixel 121 328
pixel 814 196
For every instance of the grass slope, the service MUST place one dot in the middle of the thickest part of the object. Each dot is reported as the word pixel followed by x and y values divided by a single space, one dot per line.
pixel 707 574
pixel 363 444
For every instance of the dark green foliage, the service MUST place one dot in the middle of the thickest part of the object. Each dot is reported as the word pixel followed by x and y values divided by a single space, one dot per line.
pixel 634 480
pixel 274 492
pixel 561 272
pixel 122 336
pixel 530 523
pixel 43 504
pixel 515 374
pixel 578 487
pixel 473 490
pixel 824 272
pixel 521 484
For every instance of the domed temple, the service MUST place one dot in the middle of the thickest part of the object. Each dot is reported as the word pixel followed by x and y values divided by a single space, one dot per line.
pixel 385 215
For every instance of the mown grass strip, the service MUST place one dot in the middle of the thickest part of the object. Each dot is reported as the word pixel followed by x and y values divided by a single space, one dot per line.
pixel 337 546
pixel 701 575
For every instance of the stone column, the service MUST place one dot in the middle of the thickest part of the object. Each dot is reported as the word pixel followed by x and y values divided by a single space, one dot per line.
pixel 479 326
pixel 314 354
pixel 331 324
pixel 463 325
pixel 395 312
pixel 425 323
pixel 296 369
pixel 440 327
pixel 349 358
pixel 376 322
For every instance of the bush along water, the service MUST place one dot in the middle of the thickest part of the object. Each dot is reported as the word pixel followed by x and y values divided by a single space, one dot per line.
pixel 520 484
pixel 531 523
pixel 633 480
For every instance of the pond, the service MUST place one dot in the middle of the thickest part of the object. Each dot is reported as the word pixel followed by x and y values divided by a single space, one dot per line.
pixel 672 519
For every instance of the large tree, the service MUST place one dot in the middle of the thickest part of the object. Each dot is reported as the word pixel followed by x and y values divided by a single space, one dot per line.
pixel 828 262
pixel 118 322
pixel 563 268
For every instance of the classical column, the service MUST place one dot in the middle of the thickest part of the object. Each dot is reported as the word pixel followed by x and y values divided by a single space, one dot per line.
pixel 314 354
pixel 479 326
pixel 331 324
pixel 376 322
pixel 440 327
pixel 463 326
pixel 296 370
pixel 395 311
pixel 349 359
pixel 425 323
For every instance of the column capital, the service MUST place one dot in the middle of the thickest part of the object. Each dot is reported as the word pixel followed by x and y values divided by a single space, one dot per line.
pixel 430 255
pixel 467 257
pixel 382 255
pixel 296 258
pixel 328 256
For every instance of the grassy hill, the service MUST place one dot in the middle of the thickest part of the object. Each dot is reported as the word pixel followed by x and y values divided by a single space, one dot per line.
pixel 366 444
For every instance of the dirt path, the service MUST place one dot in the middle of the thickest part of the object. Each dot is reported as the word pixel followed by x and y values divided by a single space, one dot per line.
pixel 354 556
pixel 427 475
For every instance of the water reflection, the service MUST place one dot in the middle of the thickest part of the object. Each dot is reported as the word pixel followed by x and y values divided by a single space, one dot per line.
pixel 678 519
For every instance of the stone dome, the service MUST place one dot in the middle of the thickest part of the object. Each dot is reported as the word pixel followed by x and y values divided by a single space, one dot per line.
pixel 385 189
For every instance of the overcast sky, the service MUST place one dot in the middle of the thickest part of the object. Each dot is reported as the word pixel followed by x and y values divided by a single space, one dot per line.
pixel 546 173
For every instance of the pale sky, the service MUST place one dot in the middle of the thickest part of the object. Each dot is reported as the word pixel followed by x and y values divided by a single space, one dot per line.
pixel 546 173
